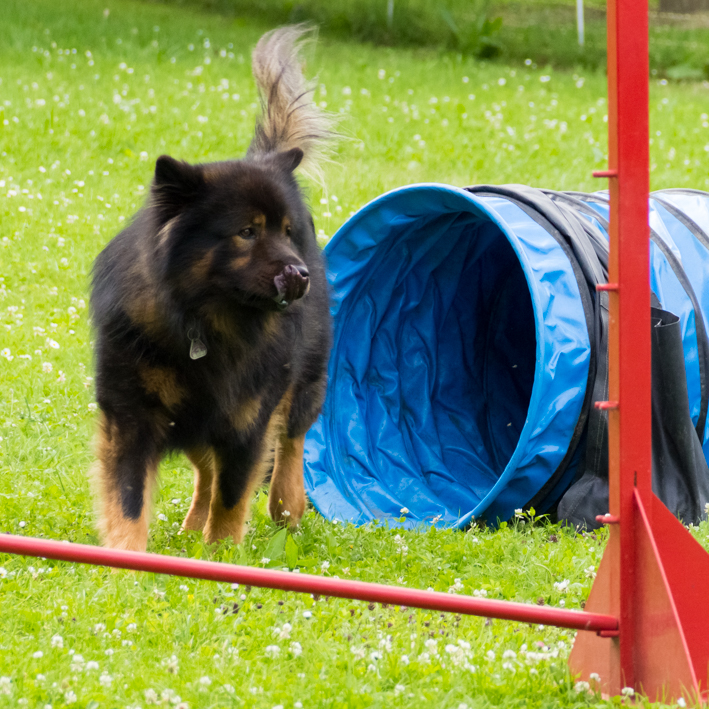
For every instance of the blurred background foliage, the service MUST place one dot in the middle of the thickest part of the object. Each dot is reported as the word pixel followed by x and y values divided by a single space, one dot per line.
pixel 542 32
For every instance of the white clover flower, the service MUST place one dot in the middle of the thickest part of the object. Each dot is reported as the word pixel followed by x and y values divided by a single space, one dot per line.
pixel 99 628
pixel 457 587
pixel 205 681
pixel 358 652
pixel 265 560
pixel 404 510
pixel 375 656
pixel 69 697
pixel 509 655
pixel 404 659
pixel 580 687
pixel 131 627
pixel 37 654
pixel 627 692
pixel 151 696
pixel 168 695
pixel 681 702
pixel 109 652
pixel 92 407
pixel 162 517
pixel 325 565
pixel 562 586
pixel 490 654
pixel 480 593
pixel 595 677
pixel 399 688
pixel 273 650
pixel 296 649
pixel 105 679
pixel 5 685
pixel 424 658
pixel 91 665
pixel 307 614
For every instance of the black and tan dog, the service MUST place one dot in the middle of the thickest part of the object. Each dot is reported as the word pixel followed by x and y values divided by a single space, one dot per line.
pixel 213 325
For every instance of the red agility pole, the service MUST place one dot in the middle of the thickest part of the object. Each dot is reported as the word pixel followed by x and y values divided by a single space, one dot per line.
pixel 653 575
pixel 307 583
pixel 648 603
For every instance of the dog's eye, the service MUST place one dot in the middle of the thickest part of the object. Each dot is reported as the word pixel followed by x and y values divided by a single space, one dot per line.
pixel 247 233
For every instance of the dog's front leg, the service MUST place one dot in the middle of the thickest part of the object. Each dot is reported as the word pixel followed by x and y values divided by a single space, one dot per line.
pixel 124 476
pixel 239 470
pixel 203 463
pixel 286 497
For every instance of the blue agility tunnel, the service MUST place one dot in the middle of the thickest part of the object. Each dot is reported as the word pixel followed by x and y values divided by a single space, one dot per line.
pixel 469 347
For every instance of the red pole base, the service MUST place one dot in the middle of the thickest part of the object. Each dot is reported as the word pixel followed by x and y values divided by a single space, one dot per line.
pixel 671 613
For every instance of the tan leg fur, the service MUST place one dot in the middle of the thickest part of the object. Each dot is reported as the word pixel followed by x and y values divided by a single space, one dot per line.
pixel 223 523
pixel 286 497
pixel 116 530
pixel 203 464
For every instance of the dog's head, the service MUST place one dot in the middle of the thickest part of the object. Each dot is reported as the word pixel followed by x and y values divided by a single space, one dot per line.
pixel 234 231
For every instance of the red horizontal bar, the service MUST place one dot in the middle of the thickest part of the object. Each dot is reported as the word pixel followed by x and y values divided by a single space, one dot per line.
pixel 606 405
pixel 306 583
pixel 607 519
pixel 606 286
pixel 605 173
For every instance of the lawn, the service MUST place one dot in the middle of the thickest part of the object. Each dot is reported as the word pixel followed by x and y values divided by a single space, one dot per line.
pixel 544 31
pixel 90 94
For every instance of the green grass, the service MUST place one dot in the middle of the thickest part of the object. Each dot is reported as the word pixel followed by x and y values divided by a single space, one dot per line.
pixel 87 102
pixel 543 31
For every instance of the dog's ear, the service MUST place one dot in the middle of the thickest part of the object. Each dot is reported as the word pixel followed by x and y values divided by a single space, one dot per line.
pixel 287 160
pixel 176 185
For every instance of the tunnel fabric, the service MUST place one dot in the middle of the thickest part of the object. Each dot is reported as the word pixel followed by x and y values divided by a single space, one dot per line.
pixel 468 350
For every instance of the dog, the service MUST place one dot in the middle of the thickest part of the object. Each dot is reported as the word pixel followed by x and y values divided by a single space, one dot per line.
pixel 212 323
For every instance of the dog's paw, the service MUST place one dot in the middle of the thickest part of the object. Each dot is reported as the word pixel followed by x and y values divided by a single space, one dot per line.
pixel 213 533
pixel 195 520
pixel 286 513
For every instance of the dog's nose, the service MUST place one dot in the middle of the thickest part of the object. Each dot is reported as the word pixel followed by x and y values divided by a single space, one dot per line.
pixel 291 283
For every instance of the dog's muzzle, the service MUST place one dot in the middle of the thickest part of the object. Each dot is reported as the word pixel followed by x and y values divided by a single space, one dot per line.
pixel 291 283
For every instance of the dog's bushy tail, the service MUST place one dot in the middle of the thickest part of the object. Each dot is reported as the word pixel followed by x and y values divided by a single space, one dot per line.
pixel 289 116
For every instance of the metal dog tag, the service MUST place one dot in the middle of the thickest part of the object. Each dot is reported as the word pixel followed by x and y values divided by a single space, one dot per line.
pixel 197 349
